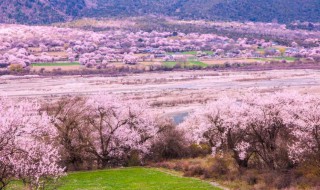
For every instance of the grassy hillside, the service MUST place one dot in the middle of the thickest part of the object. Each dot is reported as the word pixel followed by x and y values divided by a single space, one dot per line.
pixel 128 179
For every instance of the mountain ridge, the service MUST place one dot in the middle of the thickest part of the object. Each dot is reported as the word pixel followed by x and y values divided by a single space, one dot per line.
pixel 50 11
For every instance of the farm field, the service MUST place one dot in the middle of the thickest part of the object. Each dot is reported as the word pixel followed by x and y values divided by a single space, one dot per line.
pixel 190 53
pixel 290 59
pixel 128 179
pixel 229 60
pixel 189 63
pixel 55 66
pixel 170 64
pixel 62 54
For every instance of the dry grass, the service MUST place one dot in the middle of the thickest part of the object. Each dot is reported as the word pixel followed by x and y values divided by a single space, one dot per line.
pixel 229 60
pixel 54 54
pixel 253 79
pixel 221 170
pixel 225 172
pixel 53 68
pixel 147 63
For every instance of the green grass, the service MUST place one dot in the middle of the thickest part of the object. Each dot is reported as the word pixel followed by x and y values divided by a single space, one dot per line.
pixel 276 59
pixel 209 52
pixel 170 64
pixel 183 53
pixel 130 179
pixel 261 59
pixel 190 53
pixel 190 63
pixel 54 64
pixel 286 58
pixel 198 63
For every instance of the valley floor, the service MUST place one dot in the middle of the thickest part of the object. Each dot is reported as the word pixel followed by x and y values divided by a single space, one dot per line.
pixel 175 93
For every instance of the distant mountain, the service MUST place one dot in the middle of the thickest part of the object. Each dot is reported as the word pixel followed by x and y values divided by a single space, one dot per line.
pixel 283 11
pixel 48 11
pixel 40 11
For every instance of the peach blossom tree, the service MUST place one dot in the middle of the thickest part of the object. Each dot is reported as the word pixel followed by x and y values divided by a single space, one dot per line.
pixel 26 149
pixel 118 127
pixel 280 129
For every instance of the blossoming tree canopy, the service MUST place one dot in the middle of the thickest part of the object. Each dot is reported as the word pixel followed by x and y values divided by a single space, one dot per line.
pixel 118 127
pixel 280 128
pixel 26 149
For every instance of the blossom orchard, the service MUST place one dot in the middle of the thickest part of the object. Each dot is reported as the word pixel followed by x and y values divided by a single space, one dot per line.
pixel 38 143
pixel 279 130
pixel 97 132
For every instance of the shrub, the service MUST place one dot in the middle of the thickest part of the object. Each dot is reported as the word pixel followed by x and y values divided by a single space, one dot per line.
pixel 195 171
pixel 283 181
pixel 134 159
pixel 220 167
pixel 15 68
pixel 252 179
pixel 170 144
pixel 196 150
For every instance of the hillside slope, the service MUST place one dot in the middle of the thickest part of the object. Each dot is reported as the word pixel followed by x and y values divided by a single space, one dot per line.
pixel 39 11
pixel 283 11
pixel 48 11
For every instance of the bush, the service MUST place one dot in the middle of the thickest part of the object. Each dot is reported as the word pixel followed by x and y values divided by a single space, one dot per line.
pixel 170 144
pixel 252 179
pixel 283 181
pixel 220 167
pixel 15 68
pixel 133 159
pixel 199 150
pixel 195 171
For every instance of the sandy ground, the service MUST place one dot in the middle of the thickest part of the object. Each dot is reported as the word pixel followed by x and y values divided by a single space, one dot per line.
pixel 174 93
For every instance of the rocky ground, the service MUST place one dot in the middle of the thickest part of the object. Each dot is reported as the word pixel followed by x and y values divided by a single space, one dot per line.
pixel 174 93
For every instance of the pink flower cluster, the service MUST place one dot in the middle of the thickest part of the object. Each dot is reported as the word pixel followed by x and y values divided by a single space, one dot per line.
pixel 26 144
pixel 280 129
